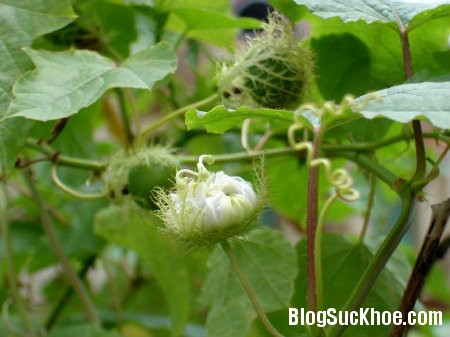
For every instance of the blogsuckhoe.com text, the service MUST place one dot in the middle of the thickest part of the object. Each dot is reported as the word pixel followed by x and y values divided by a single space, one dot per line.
pixel 363 316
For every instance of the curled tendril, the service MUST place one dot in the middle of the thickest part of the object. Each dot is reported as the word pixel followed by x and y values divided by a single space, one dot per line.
pixel 331 108
pixel 338 178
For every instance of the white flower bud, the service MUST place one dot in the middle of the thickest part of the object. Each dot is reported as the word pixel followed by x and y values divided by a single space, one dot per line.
pixel 208 206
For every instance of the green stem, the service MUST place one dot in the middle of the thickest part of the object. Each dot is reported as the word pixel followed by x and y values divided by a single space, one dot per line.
pixel 381 172
pixel 366 146
pixel 124 116
pixel 54 155
pixel 11 270
pixel 249 290
pixel 177 113
pixel 420 151
pixel 417 128
pixel 240 156
pixel 383 254
pixel 318 249
pixel 69 272
pixel 311 226
pixel 372 182
pixel 68 190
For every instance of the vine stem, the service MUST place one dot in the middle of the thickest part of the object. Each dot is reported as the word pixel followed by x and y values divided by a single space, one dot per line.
pixel 249 290
pixel 367 213
pixel 69 272
pixel 424 263
pixel 54 156
pixel 311 227
pixel 123 114
pixel 177 113
pixel 380 259
pixel 68 190
pixel 318 249
pixel 417 128
pixel 11 270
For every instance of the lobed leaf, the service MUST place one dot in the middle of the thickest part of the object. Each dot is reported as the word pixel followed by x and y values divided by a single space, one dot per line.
pixel 20 22
pixel 397 11
pixel 65 82
pixel 405 102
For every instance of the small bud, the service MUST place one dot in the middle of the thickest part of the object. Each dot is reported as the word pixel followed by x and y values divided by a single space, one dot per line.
pixel 208 207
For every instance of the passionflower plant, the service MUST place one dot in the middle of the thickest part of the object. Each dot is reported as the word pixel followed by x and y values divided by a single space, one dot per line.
pixel 208 207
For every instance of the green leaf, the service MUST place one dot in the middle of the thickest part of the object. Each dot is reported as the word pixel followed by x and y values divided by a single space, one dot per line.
pixel 349 73
pixel 396 11
pixel 201 19
pixel 383 65
pixel 403 103
pixel 113 24
pixel 343 263
pixel 290 9
pixel 65 82
pixel 221 119
pixel 20 22
pixel 268 260
pixel 137 229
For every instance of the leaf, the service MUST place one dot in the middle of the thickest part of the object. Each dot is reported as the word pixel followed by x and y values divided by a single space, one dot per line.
pixel 137 229
pixel 343 263
pixel 403 103
pixel 268 260
pixel 201 19
pixel 398 11
pixel 349 73
pixel 289 8
pixel 383 65
pixel 65 82
pixel 221 119
pixel 21 22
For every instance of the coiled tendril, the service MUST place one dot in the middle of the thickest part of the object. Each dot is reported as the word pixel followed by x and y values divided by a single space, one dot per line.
pixel 338 178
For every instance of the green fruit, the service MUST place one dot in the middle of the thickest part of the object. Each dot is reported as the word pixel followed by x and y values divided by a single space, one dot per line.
pixel 136 174
pixel 273 72
pixel 143 179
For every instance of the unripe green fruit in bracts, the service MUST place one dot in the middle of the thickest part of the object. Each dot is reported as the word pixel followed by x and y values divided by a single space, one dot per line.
pixel 137 174
pixel 274 71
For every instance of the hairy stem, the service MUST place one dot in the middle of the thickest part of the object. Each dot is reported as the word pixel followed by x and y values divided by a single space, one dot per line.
pixel 69 272
pixel 424 262
pixel 383 254
pixel 11 269
pixel 249 290
pixel 177 113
